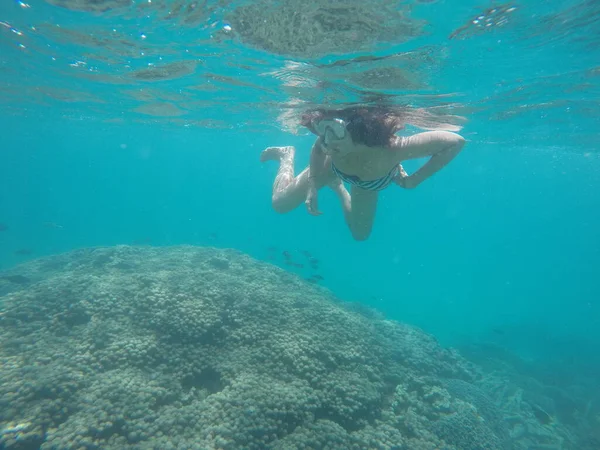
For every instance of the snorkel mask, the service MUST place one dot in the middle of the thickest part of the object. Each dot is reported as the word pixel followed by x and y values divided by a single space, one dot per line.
pixel 330 130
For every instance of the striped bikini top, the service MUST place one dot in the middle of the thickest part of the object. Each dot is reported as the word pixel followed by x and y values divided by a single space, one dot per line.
pixel 368 185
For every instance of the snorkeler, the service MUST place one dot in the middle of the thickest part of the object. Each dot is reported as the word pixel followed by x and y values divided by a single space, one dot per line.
pixel 358 146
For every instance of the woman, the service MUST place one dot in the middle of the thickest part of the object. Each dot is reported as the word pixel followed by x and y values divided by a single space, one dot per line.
pixel 358 146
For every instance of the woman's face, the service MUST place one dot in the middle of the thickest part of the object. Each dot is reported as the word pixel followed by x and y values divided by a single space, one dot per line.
pixel 335 138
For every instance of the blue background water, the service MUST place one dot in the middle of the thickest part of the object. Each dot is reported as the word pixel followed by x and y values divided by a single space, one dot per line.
pixel 502 244
pixel 501 237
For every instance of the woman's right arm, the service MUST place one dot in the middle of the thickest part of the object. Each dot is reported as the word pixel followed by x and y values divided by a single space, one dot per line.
pixel 317 167
pixel 318 160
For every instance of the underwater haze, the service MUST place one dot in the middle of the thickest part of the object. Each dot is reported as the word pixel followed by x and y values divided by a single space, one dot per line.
pixel 151 297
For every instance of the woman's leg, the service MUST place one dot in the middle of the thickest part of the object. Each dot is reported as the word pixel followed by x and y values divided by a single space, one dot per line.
pixel 359 211
pixel 290 191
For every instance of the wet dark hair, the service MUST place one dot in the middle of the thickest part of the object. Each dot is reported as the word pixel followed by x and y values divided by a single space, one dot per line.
pixel 373 126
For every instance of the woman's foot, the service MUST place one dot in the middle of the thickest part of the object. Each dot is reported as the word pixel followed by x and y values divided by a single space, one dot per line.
pixel 277 153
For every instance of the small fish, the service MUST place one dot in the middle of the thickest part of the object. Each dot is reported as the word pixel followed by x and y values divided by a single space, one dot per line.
pixel 306 253
pixel 286 254
pixel 316 278
pixel 213 236
pixel 52 225
pixel 295 264
pixel 23 252
pixel 143 241
pixel 498 331
pixel 3 227
pixel 272 249
pixel 17 279
pixel 542 416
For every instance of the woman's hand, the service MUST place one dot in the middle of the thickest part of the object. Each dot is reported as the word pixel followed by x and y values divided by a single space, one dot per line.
pixel 312 203
pixel 404 180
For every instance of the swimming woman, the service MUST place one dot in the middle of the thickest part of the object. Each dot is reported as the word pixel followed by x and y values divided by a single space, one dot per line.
pixel 358 146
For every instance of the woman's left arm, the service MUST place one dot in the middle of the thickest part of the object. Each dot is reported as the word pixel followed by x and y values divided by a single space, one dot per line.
pixel 440 146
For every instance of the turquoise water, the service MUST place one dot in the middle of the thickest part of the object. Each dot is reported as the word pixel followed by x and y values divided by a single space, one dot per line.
pixel 501 246
pixel 506 234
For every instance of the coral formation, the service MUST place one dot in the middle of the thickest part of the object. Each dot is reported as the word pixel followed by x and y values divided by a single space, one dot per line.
pixel 314 29
pixel 199 348
pixel 96 6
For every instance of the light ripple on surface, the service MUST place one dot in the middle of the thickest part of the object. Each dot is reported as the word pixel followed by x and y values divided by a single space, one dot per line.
pixel 515 62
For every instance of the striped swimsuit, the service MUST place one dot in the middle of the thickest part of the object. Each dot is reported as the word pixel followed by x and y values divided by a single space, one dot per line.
pixel 371 185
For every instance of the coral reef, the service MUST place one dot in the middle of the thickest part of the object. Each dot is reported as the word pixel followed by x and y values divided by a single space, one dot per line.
pixel 199 348
pixel 96 6
pixel 314 29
